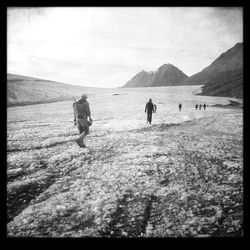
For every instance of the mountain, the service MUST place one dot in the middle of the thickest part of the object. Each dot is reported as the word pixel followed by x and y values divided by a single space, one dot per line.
pixel 228 66
pixel 23 90
pixel 230 60
pixel 228 83
pixel 139 80
pixel 166 75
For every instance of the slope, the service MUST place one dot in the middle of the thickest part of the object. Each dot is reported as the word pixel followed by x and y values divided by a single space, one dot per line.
pixel 230 60
pixel 166 75
pixel 23 90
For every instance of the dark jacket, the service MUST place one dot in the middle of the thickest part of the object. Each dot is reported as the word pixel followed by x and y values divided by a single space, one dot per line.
pixel 149 108
pixel 82 110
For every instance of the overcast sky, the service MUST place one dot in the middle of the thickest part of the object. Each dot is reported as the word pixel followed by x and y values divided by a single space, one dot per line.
pixel 107 46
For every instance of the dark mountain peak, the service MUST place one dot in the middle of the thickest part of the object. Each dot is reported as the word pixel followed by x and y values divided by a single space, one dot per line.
pixel 165 75
pixel 224 76
pixel 167 66
pixel 238 45
pixel 229 60
pixel 143 72
pixel 171 69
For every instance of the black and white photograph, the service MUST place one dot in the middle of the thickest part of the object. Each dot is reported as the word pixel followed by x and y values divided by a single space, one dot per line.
pixel 124 122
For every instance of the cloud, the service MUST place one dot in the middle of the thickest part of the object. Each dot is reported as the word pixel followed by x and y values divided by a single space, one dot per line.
pixel 109 45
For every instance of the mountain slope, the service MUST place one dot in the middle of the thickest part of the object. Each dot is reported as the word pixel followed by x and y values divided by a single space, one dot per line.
pixel 141 79
pixel 230 60
pixel 229 83
pixel 22 90
pixel 166 75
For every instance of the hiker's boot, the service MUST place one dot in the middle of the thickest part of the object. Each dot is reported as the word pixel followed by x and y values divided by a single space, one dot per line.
pixel 80 143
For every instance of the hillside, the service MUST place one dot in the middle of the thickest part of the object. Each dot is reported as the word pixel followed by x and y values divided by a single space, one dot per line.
pixel 228 83
pixel 166 75
pixel 23 90
pixel 228 61
pixel 139 80
pixel 223 77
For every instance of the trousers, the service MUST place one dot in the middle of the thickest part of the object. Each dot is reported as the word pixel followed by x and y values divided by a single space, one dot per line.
pixel 149 118
pixel 83 127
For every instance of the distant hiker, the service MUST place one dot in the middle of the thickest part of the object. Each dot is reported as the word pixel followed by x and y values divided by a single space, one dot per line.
pixel 200 106
pixel 155 108
pixel 196 106
pixel 204 106
pixel 82 118
pixel 149 109
pixel 180 106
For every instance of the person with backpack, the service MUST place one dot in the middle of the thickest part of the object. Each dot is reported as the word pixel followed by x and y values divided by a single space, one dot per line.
pixel 82 118
pixel 149 109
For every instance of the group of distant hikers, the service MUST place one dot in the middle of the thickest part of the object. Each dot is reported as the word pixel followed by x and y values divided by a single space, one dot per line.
pixel 200 106
pixel 83 119
pixel 196 106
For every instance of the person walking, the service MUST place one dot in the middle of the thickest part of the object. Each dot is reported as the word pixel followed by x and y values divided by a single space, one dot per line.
pixel 200 106
pixel 180 106
pixel 204 106
pixel 196 106
pixel 82 118
pixel 149 109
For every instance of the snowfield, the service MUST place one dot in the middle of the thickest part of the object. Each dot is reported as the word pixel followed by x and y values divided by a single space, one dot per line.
pixel 181 176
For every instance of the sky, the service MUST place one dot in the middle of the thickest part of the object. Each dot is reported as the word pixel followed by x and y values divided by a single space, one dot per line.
pixel 107 46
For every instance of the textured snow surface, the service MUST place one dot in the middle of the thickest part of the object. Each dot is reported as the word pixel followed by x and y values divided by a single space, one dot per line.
pixel 181 176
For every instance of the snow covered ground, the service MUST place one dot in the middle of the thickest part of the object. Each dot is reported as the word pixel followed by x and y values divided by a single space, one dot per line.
pixel 179 176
